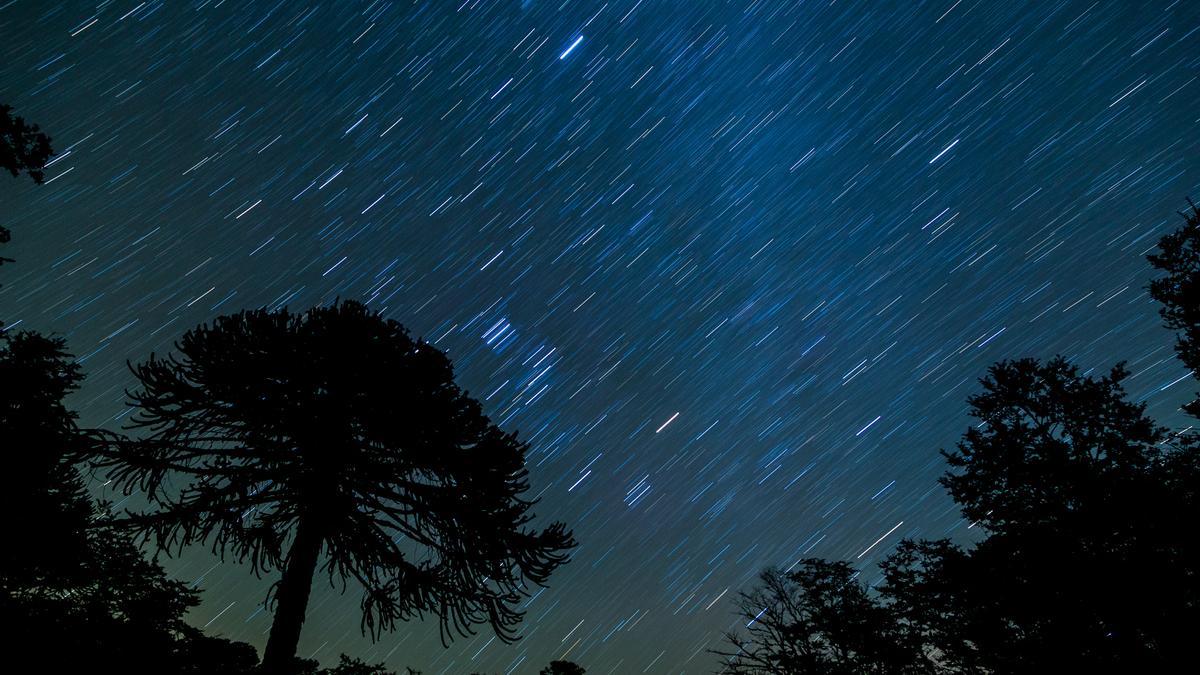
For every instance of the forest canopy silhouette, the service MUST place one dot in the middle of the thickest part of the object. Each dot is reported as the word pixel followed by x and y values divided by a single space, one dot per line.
pixel 330 443
pixel 1086 564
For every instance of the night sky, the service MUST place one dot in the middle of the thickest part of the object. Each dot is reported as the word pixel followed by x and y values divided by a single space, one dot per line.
pixel 731 267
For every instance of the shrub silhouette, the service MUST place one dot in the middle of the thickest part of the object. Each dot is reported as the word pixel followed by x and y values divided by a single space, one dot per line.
pixel 333 440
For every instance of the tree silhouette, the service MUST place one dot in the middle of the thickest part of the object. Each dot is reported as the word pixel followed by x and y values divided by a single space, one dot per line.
pixel 346 666
pixel 1087 561
pixel 1178 257
pixel 333 433
pixel 74 593
pixel 1083 566
pixel 923 585
pixel 23 149
pixel 39 434
pixel 562 668
pixel 1054 448
pixel 817 618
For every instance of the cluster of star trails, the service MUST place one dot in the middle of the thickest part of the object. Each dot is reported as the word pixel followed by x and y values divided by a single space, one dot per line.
pixel 731 268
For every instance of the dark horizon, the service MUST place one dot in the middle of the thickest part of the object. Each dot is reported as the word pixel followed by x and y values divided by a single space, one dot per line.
pixel 732 270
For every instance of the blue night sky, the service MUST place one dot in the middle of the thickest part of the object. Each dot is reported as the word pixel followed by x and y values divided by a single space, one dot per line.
pixel 731 267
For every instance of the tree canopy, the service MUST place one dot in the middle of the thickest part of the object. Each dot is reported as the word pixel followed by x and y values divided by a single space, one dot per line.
pixel 563 668
pixel 1084 563
pixel 23 146
pixel 74 592
pixel 1178 291
pixel 332 440
pixel 23 149
pixel 816 618
pixel 1080 565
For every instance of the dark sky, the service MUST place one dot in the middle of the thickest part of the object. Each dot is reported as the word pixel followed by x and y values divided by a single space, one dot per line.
pixel 731 267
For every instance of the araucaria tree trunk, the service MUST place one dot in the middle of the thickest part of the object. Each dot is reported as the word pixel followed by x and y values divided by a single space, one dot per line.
pixel 291 598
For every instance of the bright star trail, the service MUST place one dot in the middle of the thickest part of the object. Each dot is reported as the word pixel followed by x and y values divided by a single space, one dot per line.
pixel 571 48
pixel 731 268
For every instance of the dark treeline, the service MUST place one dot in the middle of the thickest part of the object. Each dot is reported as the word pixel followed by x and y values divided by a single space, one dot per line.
pixel 1089 560
pixel 331 445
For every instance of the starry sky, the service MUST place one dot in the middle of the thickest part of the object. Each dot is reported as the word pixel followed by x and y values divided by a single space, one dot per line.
pixel 731 267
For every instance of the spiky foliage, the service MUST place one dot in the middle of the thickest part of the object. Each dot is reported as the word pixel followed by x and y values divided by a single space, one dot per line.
pixel 337 437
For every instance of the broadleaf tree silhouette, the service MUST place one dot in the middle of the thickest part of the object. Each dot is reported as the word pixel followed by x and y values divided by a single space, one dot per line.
pixel 75 592
pixel 1083 562
pixel 24 149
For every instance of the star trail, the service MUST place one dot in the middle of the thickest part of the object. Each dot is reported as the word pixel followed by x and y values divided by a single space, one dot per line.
pixel 731 268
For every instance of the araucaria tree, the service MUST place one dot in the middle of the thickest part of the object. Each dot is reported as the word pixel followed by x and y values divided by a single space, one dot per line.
pixel 333 441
